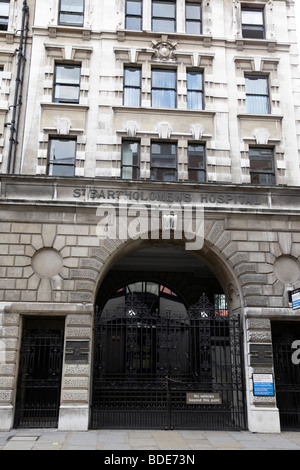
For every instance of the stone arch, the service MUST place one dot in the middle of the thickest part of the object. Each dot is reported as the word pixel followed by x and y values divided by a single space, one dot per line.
pixel 219 253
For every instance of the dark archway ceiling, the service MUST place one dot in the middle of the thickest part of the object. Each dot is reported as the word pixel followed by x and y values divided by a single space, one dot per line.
pixel 178 269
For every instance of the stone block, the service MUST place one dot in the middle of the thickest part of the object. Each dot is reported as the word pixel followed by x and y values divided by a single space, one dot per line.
pixel 74 396
pixel 245 268
pixel 79 252
pixel 76 382
pixel 259 323
pixel 100 253
pixel 78 320
pixel 238 258
pixel 256 301
pixel 78 332
pixel 285 242
pixel 48 234
pixel 72 230
pixel 3 249
pixel 28 296
pixel 230 249
pixel 7 260
pixel 59 243
pixel 44 293
pixel 81 297
pixel 254 278
pixel 10 319
pixel 13 272
pixel 84 285
pixel 7 283
pixel 252 290
pixel 26 228
pixel 12 296
pixel 10 238
pixel 83 274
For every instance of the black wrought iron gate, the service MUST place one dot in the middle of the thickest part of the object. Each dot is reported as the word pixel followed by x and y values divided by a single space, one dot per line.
pixel 39 382
pixel 167 371
pixel 285 338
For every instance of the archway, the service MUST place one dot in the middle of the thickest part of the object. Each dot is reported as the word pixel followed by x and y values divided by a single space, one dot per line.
pixel 167 352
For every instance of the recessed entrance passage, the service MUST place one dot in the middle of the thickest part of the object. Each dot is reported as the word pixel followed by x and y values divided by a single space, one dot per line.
pixel 160 363
pixel 39 382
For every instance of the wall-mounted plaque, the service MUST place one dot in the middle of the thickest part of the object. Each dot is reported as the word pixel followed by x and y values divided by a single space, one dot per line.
pixel 261 354
pixel 263 385
pixel 203 398
pixel 77 351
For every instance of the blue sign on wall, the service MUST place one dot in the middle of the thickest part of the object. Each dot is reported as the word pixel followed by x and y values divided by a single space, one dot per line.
pixel 296 299
pixel 263 385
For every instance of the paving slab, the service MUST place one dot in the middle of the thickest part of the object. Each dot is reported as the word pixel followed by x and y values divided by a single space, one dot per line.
pixel 147 440
pixel 170 440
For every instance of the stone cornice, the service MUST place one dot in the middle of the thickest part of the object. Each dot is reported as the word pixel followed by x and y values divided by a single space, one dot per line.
pixel 89 192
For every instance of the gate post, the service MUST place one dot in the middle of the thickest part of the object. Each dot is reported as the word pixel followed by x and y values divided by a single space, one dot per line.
pixel 75 394
pixel 263 414
pixel 9 334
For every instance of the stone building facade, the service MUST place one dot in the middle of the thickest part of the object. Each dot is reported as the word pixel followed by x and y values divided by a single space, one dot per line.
pixel 131 89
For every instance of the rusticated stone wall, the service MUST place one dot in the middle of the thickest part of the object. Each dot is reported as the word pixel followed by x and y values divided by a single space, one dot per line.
pixel 52 263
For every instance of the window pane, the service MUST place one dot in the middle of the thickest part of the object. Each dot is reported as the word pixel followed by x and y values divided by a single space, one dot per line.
pixel 62 151
pixel 196 161
pixel 61 170
pixel 131 97
pixel 67 83
pixel 133 23
pixel 197 176
pixel 130 153
pixel 195 149
pixel 132 91
pixel 167 26
pixel 163 9
pixel 257 104
pixel 194 90
pixel 132 76
pixel 257 85
pixel 164 16
pixel 261 166
pixel 194 100
pixel 70 18
pixel 252 17
pixel 62 157
pixel 195 81
pixel 134 7
pixel 163 155
pixel 163 161
pixel 163 99
pixel 127 172
pixel 130 160
pixel 193 27
pixel 257 99
pixel 163 89
pixel 71 12
pixel 261 178
pixel 4 13
pixel 4 8
pixel 163 79
pixel 72 6
pixel 193 11
pixel 66 74
pixel 67 93
pixel 160 174
pixel 261 159
pixel 133 16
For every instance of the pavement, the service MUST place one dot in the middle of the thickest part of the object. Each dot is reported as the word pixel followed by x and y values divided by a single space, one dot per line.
pixel 175 442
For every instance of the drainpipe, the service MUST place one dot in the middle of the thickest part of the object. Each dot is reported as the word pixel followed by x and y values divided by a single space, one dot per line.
pixel 16 107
